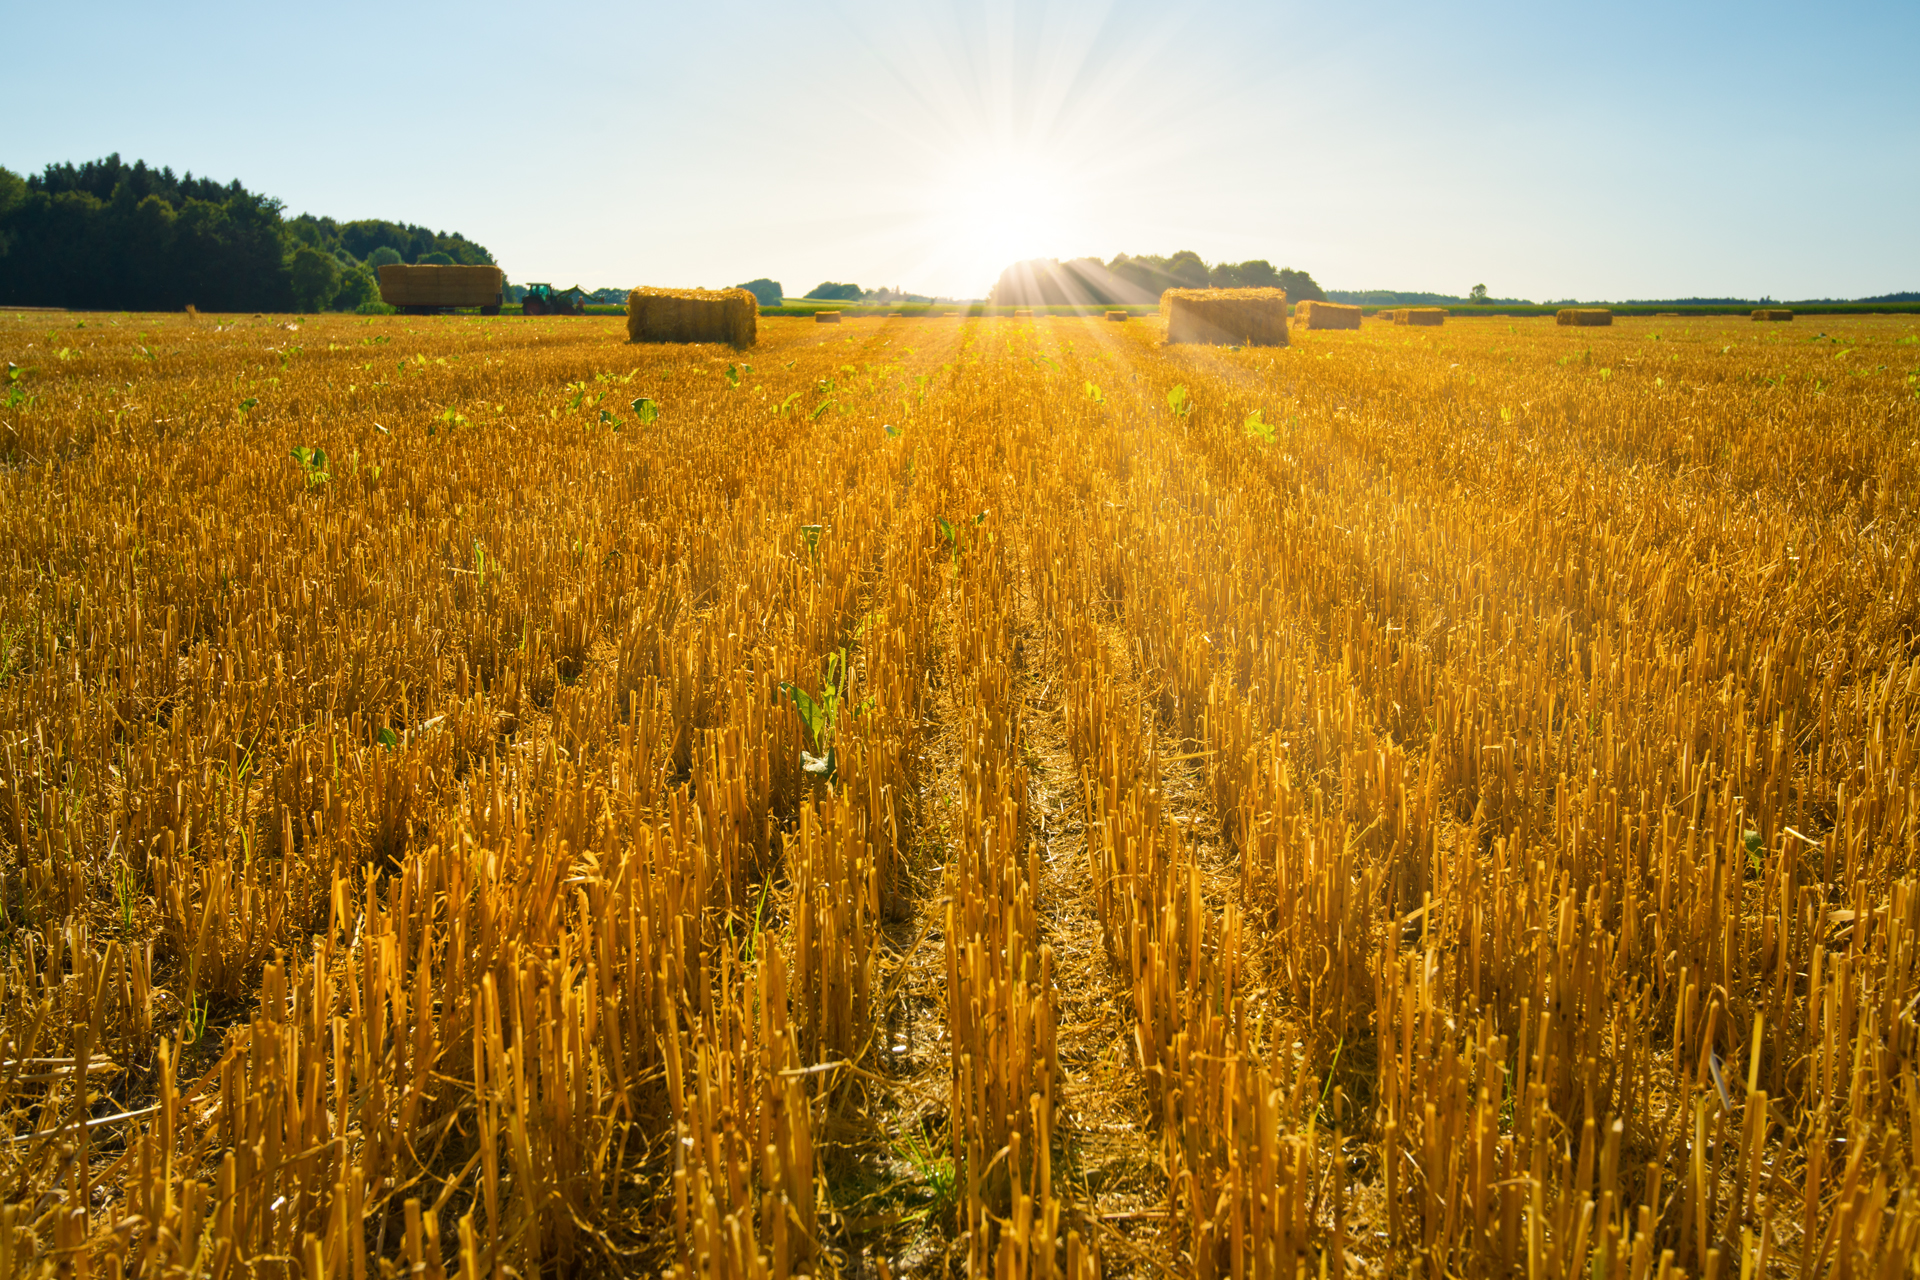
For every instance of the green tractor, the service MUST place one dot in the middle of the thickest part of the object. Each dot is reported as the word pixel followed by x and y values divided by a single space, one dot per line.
pixel 545 300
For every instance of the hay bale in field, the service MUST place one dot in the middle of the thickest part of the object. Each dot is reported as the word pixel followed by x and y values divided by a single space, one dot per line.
pixel 1023 314
pixel 1116 315
pixel 429 285
pixel 826 317
pixel 1583 316
pixel 693 315
pixel 1326 315
pixel 1429 316
pixel 1773 313
pixel 1226 317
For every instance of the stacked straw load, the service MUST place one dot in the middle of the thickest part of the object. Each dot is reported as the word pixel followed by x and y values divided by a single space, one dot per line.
pixel 1766 313
pixel 1116 315
pixel 1420 315
pixel 1225 317
pixel 693 315
pixel 1326 315
pixel 1583 316
pixel 404 285
pixel 826 317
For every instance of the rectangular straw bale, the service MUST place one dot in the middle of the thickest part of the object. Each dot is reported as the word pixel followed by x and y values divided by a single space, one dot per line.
pixel 1023 314
pixel 1326 315
pixel 693 315
pixel 1773 313
pixel 1420 316
pixel 1226 317
pixel 1584 316
pixel 428 285
pixel 1116 315
pixel 826 317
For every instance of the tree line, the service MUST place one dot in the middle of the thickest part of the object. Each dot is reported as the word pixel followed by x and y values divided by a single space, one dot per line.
pixel 106 235
pixel 1139 279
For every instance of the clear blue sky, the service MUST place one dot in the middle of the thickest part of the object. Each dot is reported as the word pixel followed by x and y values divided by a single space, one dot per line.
pixel 1548 150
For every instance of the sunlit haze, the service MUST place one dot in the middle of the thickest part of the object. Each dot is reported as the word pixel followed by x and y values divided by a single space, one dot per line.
pixel 1546 150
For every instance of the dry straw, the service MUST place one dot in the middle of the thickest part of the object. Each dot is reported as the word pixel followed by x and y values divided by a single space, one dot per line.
pixel 402 285
pixel 1429 316
pixel 1583 316
pixel 1773 313
pixel 1116 315
pixel 693 315
pixel 826 317
pixel 1250 317
pixel 1326 315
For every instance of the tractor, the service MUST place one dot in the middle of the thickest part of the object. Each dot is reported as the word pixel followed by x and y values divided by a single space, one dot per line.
pixel 545 300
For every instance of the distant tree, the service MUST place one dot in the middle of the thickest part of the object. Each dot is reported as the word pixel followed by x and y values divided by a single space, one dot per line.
pixel 1256 273
pixel 357 287
pixel 1477 294
pixel 436 259
pixel 828 291
pixel 13 191
pixel 384 255
pixel 316 277
pixel 1187 268
pixel 1300 286
pixel 767 291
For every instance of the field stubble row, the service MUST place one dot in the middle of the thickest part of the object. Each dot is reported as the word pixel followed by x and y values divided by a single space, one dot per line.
pixel 1455 786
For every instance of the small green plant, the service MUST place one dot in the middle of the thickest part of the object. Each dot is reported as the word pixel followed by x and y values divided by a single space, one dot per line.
pixel 810 534
pixel 733 378
pixel 820 716
pixel 1095 394
pixel 1178 402
pixel 645 410
pixel 125 894
pixel 387 738
pixel 780 410
pixel 247 404
pixel 1258 428
pixel 313 463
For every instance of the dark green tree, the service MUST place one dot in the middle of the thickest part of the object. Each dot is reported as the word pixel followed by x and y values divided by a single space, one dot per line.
pixel 316 277
pixel 1300 286
pixel 383 255
pixel 436 259
pixel 767 291
pixel 356 288
pixel 1478 293
pixel 828 291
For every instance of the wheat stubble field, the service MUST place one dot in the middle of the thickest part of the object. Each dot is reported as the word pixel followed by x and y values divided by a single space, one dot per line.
pixel 938 797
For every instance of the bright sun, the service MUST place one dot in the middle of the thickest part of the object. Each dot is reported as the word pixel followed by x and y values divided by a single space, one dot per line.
pixel 999 208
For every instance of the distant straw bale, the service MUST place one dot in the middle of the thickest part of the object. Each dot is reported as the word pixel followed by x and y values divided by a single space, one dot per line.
pixel 693 315
pixel 1583 316
pixel 1226 317
pixel 1326 315
pixel 1429 316
pixel 1773 313
pixel 826 317
pixel 1023 314
pixel 1116 315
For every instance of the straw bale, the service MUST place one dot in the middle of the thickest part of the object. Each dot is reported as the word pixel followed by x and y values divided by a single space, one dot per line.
pixel 1326 315
pixel 1250 317
pixel 1420 315
pixel 1116 315
pixel 1773 313
pixel 405 285
pixel 693 315
pixel 826 317
pixel 1023 314
pixel 1583 316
